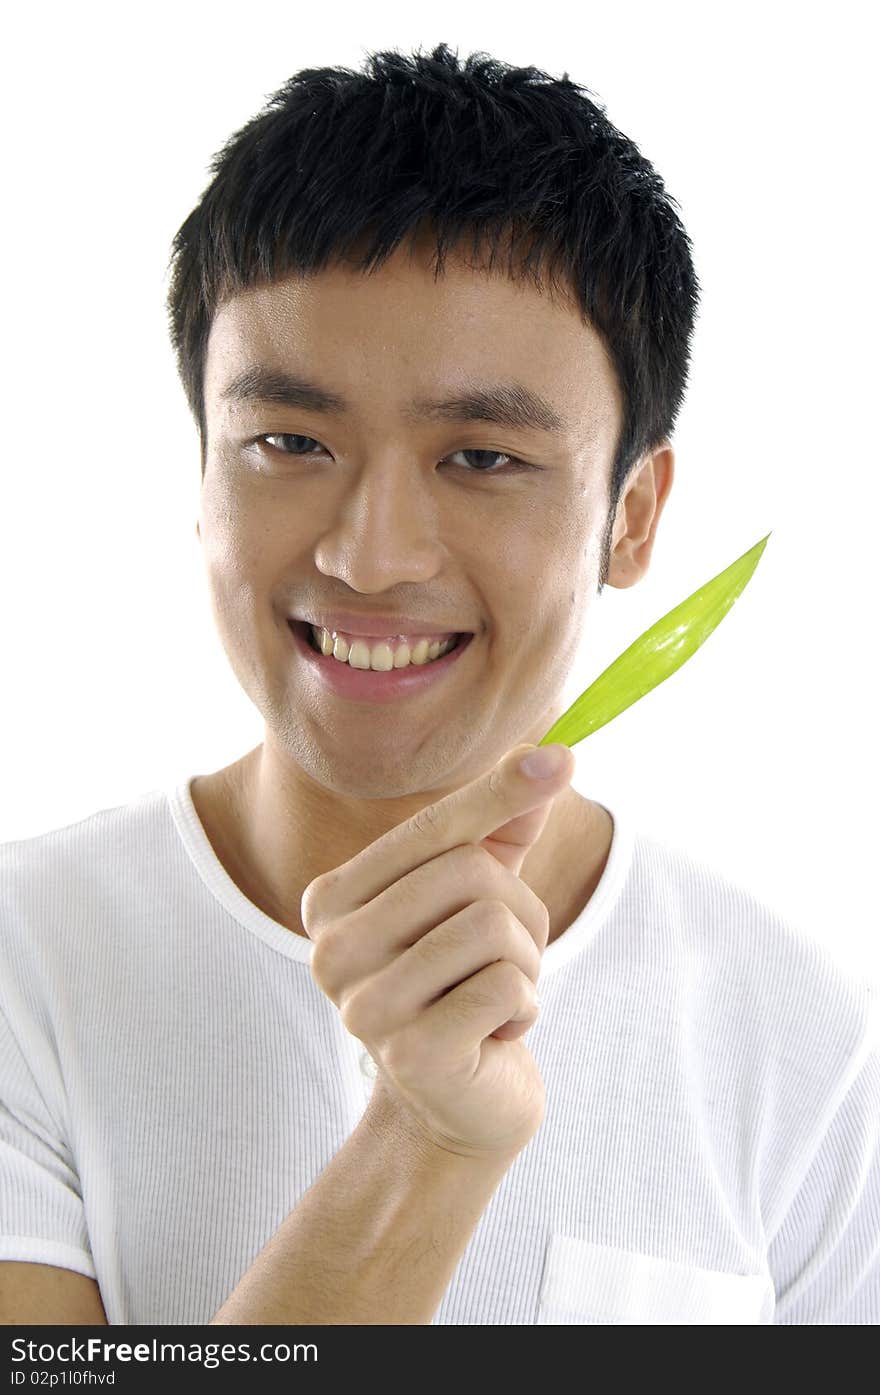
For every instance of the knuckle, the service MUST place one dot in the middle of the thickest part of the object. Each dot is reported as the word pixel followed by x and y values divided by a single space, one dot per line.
pixel 310 902
pixel 475 864
pixel 490 987
pixel 326 960
pixel 526 953
pixel 430 821
pixel 497 783
pixel 505 933
pixel 358 1014
pixel 496 922
pixel 508 979
pixel 405 1058
pixel 485 921
pixel 394 1059
pixel 497 912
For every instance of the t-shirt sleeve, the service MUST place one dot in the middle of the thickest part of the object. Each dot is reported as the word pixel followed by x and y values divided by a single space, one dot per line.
pixel 42 1219
pixel 825 1256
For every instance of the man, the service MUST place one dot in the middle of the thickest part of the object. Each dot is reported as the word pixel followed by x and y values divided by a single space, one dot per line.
pixel 264 1056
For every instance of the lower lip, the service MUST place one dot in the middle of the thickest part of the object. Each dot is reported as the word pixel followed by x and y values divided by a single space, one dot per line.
pixel 370 685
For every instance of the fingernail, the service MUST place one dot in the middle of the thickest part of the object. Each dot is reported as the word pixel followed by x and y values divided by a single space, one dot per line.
pixel 543 762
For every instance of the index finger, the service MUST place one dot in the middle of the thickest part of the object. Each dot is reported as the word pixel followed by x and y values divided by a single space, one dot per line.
pixel 466 815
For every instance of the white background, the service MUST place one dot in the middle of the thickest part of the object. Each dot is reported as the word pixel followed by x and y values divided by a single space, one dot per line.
pixel 760 754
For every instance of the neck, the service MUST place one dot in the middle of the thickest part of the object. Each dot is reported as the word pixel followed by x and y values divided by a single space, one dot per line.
pixel 274 835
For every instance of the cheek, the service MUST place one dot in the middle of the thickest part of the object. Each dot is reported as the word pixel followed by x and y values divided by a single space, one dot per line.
pixel 227 565
pixel 237 587
pixel 235 546
pixel 551 639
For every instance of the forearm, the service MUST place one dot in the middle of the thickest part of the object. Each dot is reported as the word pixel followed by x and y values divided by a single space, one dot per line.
pixel 375 1240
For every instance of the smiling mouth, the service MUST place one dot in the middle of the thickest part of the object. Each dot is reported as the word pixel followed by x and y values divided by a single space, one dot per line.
pixel 313 643
pixel 306 631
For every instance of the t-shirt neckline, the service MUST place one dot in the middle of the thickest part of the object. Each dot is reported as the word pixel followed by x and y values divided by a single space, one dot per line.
pixel 294 946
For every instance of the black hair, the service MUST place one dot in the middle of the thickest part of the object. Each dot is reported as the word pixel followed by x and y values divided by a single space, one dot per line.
pixel 339 160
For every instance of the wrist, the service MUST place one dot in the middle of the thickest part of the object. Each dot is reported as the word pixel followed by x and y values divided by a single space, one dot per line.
pixel 391 1121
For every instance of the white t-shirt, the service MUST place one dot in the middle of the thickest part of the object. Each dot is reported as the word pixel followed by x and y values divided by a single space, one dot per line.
pixel 172 1081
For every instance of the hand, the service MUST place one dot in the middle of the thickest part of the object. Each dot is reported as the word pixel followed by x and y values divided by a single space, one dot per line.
pixel 430 945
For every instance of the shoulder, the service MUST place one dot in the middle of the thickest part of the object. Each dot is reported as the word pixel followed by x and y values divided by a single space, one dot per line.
pixel 51 882
pixel 787 988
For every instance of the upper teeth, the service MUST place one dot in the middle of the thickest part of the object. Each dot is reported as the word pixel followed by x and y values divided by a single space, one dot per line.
pixel 381 656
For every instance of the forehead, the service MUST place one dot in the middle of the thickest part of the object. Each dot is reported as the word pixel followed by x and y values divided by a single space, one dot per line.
pixel 399 334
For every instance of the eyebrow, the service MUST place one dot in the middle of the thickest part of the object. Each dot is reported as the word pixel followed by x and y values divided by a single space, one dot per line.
pixel 507 404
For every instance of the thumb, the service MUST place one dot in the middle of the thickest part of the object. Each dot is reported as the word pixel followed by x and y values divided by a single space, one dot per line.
pixel 510 842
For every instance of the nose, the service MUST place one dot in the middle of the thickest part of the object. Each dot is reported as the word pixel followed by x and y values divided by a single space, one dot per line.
pixel 384 530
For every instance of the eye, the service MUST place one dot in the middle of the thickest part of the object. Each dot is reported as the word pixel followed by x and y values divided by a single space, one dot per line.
pixel 289 436
pixel 514 462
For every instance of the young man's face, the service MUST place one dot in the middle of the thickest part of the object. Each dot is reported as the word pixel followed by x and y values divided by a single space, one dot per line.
pixel 383 509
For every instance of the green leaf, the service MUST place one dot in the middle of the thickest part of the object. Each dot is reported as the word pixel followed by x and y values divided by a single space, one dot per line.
pixel 656 654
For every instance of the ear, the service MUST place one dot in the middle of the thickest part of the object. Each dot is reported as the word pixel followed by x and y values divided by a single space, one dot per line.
pixel 638 514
